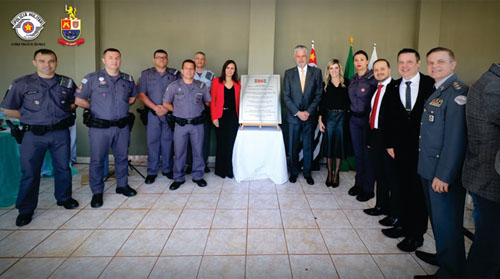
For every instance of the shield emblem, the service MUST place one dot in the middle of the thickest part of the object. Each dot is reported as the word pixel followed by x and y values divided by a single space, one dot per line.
pixel 70 29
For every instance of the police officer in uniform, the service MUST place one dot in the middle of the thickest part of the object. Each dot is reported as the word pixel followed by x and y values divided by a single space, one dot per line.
pixel 44 103
pixel 205 76
pixel 151 87
pixel 187 98
pixel 442 149
pixel 108 94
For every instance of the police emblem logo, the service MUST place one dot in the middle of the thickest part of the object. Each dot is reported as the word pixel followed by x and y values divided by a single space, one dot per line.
pixel 436 102
pixel 461 100
pixel 37 102
pixel 71 28
pixel 431 118
pixel 102 81
pixel 28 25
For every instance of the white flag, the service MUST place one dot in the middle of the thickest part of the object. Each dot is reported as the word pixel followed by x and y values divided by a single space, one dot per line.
pixel 373 58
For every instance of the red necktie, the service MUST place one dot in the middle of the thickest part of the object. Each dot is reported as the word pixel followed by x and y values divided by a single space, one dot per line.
pixel 374 109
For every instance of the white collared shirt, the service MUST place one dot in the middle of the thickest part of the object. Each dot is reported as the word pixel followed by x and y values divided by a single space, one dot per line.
pixel 415 81
pixel 441 82
pixel 380 98
pixel 300 72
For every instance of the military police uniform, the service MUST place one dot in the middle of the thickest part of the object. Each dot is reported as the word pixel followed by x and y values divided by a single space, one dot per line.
pixel 189 102
pixel 206 77
pixel 442 147
pixel 45 107
pixel 109 127
pixel 158 133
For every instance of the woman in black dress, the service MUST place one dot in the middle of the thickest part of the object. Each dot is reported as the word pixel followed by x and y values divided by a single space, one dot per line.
pixel 225 104
pixel 333 106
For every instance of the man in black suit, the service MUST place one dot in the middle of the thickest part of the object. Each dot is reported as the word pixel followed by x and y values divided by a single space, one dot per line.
pixel 383 164
pixel 302 89
pixel 405 104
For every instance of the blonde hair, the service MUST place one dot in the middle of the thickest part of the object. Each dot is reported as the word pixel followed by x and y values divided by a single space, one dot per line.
pixel 327 78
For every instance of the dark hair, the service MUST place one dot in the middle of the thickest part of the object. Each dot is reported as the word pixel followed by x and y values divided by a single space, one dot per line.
pixel 110 49
pixel 384 60
pixel 222 77
pixel 188 61
pixel 409 50
pixel 44 51
pixel 449 51
pixel 160 51
pixel 361 52
pixel 200 52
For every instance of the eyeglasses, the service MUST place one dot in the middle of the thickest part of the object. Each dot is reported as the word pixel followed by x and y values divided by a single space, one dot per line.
pixel 161 57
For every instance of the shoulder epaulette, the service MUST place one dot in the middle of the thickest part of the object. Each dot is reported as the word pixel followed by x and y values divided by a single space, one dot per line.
pixel 199 84
pixel 127 77
pixel 209 75
pixel 65 81
pixel 173 71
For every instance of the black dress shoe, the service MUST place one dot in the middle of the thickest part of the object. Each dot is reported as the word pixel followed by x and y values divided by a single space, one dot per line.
pixel 388 221
pixel 207 169
pixel 150 179
pixel 309 180
pixel 96 201
pixel 336 184
pixel 200 182
pixel 365 196
pixel 394 232
pixel 354 191
pixel 175 185
pixel 23 219
pixel 68 204
pixel 188 169
pixel 375 211
pixel 431 276
pixel 169 175
pixel 126 191
pixel 410 244
pixel 292 179
pixel 427 257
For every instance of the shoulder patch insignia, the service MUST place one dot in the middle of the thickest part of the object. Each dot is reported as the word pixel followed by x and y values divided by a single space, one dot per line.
pixel 436 102
pixel 9 87
pixel 84 81
pixel 461 100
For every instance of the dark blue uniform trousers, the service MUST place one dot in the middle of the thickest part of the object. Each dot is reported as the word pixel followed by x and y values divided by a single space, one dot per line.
pixel 100 142
pixel 32 151
pixel 207 127
pixel 296 130
pixel 446 211
pixel 183 134
pixel 159 139
pixel 365 178
pixel 484 255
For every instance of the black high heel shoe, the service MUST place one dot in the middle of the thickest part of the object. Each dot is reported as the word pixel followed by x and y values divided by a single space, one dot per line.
pixel 336 184
pixel 328 181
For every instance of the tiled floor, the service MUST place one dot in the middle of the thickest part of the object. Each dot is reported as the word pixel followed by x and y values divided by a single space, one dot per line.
pixel 226 230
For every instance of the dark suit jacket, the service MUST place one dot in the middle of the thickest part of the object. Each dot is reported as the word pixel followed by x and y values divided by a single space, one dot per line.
pixel 400 129
pixel 483 132
pixel 295 100
pixel 382 112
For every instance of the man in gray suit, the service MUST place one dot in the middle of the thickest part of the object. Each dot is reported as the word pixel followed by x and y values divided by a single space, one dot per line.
pixel 442 145
pixel 479 174
pixel 302 89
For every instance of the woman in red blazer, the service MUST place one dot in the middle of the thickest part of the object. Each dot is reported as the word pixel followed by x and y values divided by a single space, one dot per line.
pixel 224 109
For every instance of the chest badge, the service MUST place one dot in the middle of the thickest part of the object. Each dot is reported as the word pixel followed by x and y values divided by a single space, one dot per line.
pixel 37 102
pixel 436 102
pixel 363 90
pixel 102 82
pixel 431 118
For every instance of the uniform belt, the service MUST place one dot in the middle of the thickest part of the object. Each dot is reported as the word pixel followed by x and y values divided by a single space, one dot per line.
pixel 103 123
pixel 40 130
pixel 192 121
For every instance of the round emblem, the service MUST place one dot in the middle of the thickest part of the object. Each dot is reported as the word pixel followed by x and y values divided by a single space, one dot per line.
pixel 101 78
pixel 37 102
pixel 363 90
pixel 28 25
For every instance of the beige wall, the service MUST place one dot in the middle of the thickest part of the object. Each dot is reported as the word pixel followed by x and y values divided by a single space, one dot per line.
pixel 225 29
